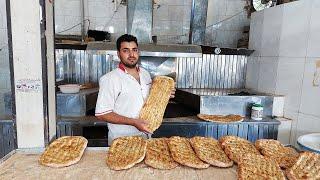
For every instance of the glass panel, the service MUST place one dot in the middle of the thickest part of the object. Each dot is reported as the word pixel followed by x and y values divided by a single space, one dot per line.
pixel 6 123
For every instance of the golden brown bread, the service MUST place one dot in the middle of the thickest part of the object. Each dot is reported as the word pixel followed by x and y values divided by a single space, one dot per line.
pixel 125 152
pixel 273 149
pixel 306 167
pixel 153 109
pixel 231 118
pixel 210 151
pixel 158 154
pixel 64 151
pixel 183 153
pixel 253 166
pixel 235 147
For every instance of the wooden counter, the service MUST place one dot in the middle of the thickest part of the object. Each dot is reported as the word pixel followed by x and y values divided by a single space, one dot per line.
pixel 24 165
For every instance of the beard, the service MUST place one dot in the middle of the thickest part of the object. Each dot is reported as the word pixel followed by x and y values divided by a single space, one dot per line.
pixel 131 66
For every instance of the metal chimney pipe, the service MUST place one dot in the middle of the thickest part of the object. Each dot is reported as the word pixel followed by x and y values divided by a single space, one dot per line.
pixel 139 19
pixel 198 21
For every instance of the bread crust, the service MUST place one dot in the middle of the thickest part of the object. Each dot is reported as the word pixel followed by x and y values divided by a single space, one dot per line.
pixel 64 151
pixel 125 152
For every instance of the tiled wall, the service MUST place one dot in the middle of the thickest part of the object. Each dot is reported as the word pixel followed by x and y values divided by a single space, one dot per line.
pixel 226 33
pixel 171 19
pixel 287 61
pixel 4 58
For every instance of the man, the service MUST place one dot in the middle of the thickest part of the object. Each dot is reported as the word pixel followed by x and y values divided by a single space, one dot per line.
pixel 123 91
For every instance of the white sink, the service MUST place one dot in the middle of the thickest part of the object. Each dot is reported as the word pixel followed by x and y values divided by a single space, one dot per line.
pixel 310 142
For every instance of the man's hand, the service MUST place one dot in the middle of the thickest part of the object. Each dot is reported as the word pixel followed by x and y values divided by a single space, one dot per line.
pixel 141 125
pixel 173 92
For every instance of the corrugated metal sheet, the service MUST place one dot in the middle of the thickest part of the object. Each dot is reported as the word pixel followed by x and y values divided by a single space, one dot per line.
pixel 210 71
pixel 80 66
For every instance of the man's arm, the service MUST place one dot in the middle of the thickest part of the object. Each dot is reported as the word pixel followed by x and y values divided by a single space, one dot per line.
pixel 115 118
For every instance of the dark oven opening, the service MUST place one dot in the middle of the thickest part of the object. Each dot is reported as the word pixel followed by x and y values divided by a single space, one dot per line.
pixel 97 135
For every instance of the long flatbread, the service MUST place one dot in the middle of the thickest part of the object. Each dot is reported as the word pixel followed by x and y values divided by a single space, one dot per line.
pixel 273 149
pixel 231 118
pixel 306 167
pixel 183 153
pixel 153 109
pixel 64 151
pixel 210 151
pixel 125 152
pixel 235 147
pixel 158 154
pixel 252 166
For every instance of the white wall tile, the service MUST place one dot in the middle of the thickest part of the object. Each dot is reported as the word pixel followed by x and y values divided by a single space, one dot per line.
pixel 186 27
pixel 284 130
pixel 176 13
pixel 186 13
pixel 59 23
pixel 278 106
pixel 293 116
pixel 162 13
pixel 188 2
pixel 121 13
pixel 313 49
pixel 175 28
pixel 289 81
pixel 215 7
pixel 256 32
pixel 3 15
pixel 234 7
pixel 310 97
pixel 175 2
pixel 72 8
pixel 271 31
pixel 294 32
pixel 268 74
pixel 307 124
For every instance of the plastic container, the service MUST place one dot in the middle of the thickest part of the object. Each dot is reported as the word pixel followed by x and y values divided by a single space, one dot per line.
pixel 69 88
pixel 257 112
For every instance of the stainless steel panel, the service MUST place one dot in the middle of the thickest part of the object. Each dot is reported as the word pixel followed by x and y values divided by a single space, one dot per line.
pixel 224 101
pixel 209 71
pixel 153 50
pixel 212 71
pixel 80 66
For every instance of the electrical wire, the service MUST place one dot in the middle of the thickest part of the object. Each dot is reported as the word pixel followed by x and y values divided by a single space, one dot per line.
pixel 114 12
pixel 74 26
pixel 226 19
pixel 4 46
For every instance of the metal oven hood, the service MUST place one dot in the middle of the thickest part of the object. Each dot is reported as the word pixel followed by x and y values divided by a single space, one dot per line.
pixel 154 50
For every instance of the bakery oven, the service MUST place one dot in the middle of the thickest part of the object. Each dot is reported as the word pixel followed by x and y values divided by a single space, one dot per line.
pixel 209 80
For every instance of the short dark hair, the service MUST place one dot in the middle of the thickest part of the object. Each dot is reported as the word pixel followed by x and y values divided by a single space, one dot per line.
pixel 126 38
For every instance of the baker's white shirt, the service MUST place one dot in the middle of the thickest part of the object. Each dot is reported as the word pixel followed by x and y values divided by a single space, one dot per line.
pixel 121 93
